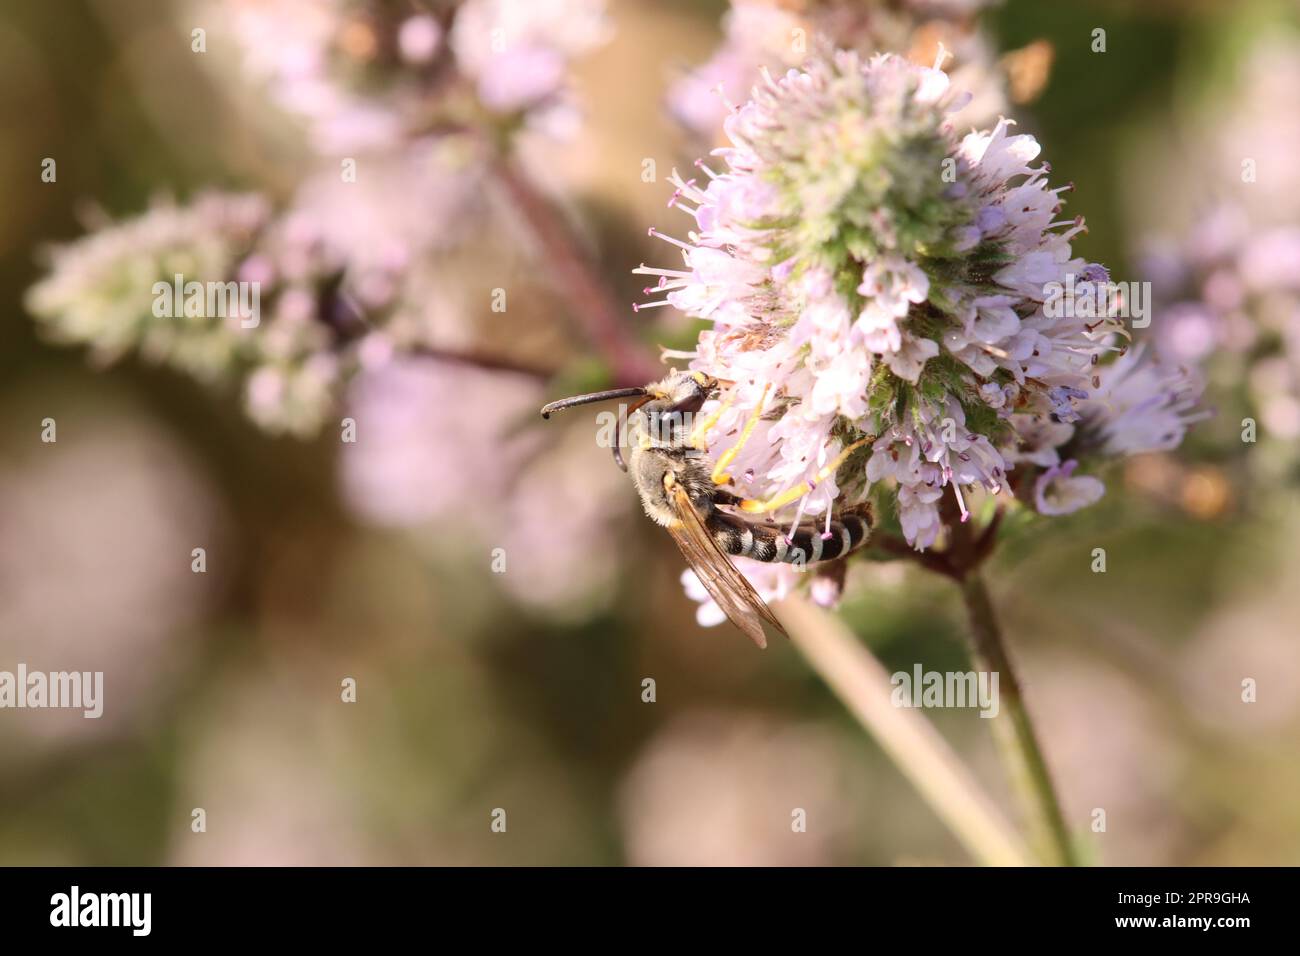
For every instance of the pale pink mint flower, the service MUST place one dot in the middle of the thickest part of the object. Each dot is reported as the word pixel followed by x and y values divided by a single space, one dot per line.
pixel 1037 438
pixel 867 273
pixel 950 8
pixel 1058 491
pixel 409 414
pixel 99 291
pixel 1141 404
pixel 552 573
pixel 1227 287
pixel 1229 296
pixel 102 292
pixel 1260 121
pixel 407 204
pixel 518 51
pixel 872 279
pixel 927 452
pixel 308 52
pixel 366 76
pixel 772 581
pixel 759 34
pixel 419 38
pixel 293 397
pixel 341 262
pixel 423 465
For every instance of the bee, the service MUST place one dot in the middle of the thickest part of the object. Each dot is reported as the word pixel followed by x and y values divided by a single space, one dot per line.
pixel 684 494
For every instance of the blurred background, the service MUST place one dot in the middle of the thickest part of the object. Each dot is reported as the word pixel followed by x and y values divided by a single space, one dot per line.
pixel 522 689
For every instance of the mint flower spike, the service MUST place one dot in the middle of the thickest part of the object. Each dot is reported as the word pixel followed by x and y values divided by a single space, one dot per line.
pixel 215 289
pixel 866 272
pixel 100 288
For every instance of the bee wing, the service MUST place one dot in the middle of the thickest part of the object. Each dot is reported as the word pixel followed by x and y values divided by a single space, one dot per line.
pixel 734 594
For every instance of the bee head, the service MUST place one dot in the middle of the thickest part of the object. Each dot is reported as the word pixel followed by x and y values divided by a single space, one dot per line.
pixel 667 418
pixel 682 391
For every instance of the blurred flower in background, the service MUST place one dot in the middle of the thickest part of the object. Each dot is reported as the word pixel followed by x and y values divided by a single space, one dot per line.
pixel 778 37
pixel 1249 638
pixel 411 774
pixel 96 565
pixel 1111 752
pixel 517 53
pixel 421 463
pixel 1258 119
pixel 100 291
pixel 347 254
pixel 1228 286
pixel 370 76
pixel 419 457
pixel 732 789
pixel 1232 296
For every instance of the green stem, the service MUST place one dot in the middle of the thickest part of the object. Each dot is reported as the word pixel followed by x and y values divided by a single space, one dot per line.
pixel 906 737
pixel 1014 731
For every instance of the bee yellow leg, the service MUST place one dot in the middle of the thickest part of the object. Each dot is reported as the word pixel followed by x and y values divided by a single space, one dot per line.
pixel 720 475
pixel 755 506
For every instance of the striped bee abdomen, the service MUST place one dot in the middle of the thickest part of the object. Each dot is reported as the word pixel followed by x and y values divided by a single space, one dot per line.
pixel 766 542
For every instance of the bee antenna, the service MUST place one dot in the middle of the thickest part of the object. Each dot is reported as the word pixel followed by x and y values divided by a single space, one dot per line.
pixel 587 399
